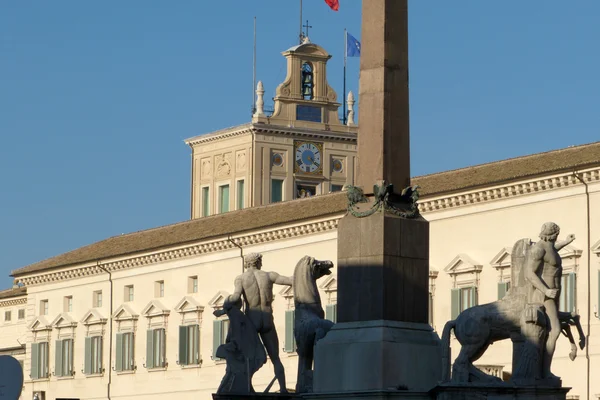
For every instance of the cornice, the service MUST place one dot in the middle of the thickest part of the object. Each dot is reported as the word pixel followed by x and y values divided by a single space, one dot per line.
pixel 191 250
pixel 13 302
pixel 509 190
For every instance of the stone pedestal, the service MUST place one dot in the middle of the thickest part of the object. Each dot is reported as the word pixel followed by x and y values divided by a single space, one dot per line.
pixel 377 355
pixel 480 392
pixel 382 340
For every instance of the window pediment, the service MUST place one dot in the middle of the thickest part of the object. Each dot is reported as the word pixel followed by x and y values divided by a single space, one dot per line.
pixel 218 299
pixel 64 320
pixel 188 304
pixel 287 292
pixel 40 324
pixel 155 309
pixel 329 284
pixel 463 264
pixel 502 259
pixel 125 313
pixel 93 317
pixel 596 248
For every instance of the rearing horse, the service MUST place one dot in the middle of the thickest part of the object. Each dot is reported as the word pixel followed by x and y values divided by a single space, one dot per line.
pixel 310 325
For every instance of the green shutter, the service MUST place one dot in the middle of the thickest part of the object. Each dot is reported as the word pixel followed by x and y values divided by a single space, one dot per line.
pixel 100 354
pixel 217 329
pixel 119 352
pixel 87 365
pixel 149 348
pixel 571 291
pixel 35 361
pixel 224 194
pixel 183 345
pixel 474 296
pixel 58 358
pixel 331 312
pixel 290 342
pixel 455 303
pixel 502 289
pixel 240 194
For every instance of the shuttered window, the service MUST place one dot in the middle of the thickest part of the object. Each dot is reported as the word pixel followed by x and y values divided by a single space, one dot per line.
pixel 189 345
pixel 155 348
pixel 568 292
pixel 503 289
pixel 93 356
pixel 63 357
pixel 220 329
pixel 430 311
pixel 461 299
pixel 124 350
pixel 331 312
pixel 290 340
pixel 39 360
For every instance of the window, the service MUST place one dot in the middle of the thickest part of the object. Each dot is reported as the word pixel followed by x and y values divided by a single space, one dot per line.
pixel 64 358
pixel 503 289
pixel 307 81
pixel 129 293
pixel 189 345
pixel 567 293
pixel 337 188
pixel 159 289
pixel 97 301
pixel 220 330
pixel 223 198
pixel 93 356
pixel 240 194
pixel 290 339
pixel 305 190
pixel 124 352
pixel 22 313
pixel 463 298
pixel 193 284
pixel 430 312
pixel 39 360
pixel 205 202
pixel 7 316
pixel 331 312
pixel 44 307
pixel 68 304
pixel 155 350
pixel 276 190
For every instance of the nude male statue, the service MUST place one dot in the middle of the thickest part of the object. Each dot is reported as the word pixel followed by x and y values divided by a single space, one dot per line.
pixel 257 289
pixel 544 272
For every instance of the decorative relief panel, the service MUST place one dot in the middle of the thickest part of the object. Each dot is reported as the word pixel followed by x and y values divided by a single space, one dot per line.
pixel 206 168
pixel 240 161
pixel 223 165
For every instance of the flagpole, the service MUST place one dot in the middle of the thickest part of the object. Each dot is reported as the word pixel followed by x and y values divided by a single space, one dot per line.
pixel 254 72
pixel 300 35
pixel 345 59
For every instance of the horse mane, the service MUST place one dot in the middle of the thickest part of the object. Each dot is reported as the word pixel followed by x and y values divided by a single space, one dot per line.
pixel 305 286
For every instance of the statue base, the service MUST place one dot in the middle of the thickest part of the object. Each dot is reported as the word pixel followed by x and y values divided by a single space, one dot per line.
pixel 377 355
pixel 500 392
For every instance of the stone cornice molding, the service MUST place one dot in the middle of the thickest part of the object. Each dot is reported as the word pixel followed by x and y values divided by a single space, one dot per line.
pixel 345 136
pixel 506 191
pixel 192 250
pixel 13 302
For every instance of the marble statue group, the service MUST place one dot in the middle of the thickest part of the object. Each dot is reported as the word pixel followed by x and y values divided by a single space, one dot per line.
pixel 528 314
pixel 252 331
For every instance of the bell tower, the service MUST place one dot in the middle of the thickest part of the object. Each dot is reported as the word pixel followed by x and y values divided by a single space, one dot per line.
pixel 305 99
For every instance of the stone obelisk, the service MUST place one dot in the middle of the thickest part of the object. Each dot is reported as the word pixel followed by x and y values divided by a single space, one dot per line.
pixel 382 340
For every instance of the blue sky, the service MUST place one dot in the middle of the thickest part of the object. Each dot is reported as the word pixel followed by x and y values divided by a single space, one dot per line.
pixel 97 97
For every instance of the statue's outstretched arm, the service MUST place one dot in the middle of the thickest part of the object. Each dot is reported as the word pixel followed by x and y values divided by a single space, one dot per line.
pixel 281 280
pixel 559 245
pixel 535 261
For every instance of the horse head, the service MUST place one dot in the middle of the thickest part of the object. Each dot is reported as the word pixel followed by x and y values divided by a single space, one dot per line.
pixel 308 270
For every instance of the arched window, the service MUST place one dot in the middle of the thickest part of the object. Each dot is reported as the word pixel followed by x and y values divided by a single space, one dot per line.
pixel 307 81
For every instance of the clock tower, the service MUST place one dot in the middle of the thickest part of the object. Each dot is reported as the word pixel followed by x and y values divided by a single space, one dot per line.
pixel 301 149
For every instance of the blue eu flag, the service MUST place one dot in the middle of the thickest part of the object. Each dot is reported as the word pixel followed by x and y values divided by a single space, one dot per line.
pixel 352 46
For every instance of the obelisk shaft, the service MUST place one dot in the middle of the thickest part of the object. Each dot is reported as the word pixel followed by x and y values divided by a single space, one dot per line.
pixel 383 138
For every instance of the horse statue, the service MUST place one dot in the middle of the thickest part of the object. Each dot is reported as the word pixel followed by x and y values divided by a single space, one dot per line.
pixel 310 324
pixel 511 317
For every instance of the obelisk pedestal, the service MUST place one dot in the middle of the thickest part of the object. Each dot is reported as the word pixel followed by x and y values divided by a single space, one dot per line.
pixel 382 341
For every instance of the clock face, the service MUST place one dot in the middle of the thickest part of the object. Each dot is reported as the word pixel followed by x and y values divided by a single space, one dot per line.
pixel 308 158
